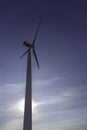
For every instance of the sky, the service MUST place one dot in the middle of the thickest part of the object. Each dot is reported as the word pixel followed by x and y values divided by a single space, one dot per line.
pixel 59 87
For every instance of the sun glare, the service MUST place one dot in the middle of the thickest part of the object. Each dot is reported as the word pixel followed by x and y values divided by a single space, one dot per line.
pixel 21 106
pixel 34 104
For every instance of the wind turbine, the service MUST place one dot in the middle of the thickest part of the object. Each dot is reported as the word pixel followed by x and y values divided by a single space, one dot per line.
pixel 27 124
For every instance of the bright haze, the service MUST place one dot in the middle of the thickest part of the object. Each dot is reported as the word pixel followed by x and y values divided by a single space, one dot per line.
pixel 59 87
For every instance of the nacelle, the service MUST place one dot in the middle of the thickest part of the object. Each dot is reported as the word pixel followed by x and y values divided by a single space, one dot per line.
pixel 26 43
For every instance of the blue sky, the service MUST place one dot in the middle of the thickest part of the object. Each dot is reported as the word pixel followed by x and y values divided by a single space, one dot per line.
pixel 60 85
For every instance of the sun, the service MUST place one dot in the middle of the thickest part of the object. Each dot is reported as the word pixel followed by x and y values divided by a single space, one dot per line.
pixel 21 105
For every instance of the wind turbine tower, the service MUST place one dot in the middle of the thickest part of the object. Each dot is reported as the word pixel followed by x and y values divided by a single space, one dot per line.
pixel 27 124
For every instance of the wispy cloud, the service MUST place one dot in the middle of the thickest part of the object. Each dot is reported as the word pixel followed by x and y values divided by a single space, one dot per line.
pixel 10 94
pixel 45 82
pixel 76 124
pixel 16 124
pixel 59 111
pixel 60 108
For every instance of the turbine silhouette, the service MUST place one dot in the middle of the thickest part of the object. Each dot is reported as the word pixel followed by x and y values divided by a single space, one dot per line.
pixel 27 124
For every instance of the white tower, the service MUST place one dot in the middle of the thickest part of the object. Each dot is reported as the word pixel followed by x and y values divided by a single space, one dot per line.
pixel 28 93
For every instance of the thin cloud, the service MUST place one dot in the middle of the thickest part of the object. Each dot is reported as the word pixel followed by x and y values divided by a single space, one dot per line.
pixel 46 82
pixel 9 95
pixel 53 109
pixel 63 125
pixel 16 124
pixel 61 107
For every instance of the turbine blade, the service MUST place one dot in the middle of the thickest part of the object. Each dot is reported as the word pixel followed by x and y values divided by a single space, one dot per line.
pixel 34 52
pixel 37 31
pixel 24 53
